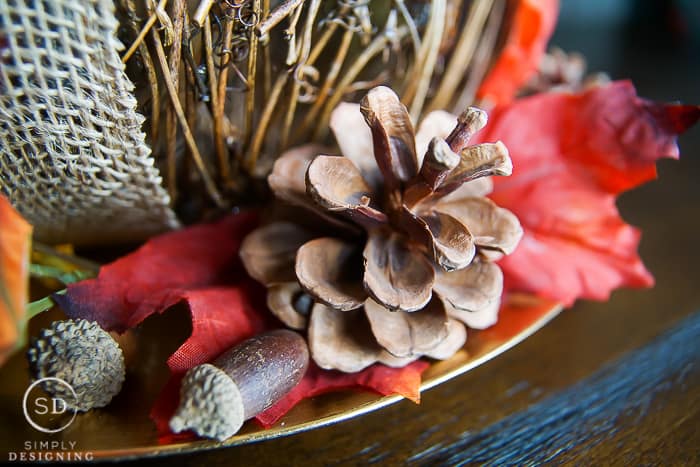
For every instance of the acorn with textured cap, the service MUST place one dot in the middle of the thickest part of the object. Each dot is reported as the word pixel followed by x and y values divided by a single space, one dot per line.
pixel 83 355
pixel 215 399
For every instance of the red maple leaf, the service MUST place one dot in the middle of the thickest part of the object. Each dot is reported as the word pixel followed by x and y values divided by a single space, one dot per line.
pixel 572 154
pixel 200 266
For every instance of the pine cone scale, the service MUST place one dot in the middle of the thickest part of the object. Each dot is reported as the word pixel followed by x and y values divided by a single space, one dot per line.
pixel 331 271
pixel 397 275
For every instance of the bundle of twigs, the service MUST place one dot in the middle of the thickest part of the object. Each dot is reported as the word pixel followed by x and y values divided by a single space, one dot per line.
pixel 229 85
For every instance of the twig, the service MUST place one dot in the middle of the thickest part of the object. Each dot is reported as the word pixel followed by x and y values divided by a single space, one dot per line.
pixel 250 76
pixel 332 75
pixel 174 61
pixel 316 51
pixel 415 37
pixel 436 28
pixel 305 51
pixel 267 61
pixel 276 16
pixel 150 73
pixel 482 57
pixel 266 117
pixel 189 139
pixel 291 34
pixel 202 12
pixel 191 105
pixel 372 50
pixel 219 144
pixel 321 43
pixel 142 35
pixel 462 55
pixel 365 86
pixel 219 104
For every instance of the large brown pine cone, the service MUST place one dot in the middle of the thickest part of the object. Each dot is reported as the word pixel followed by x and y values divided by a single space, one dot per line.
pixel 412 258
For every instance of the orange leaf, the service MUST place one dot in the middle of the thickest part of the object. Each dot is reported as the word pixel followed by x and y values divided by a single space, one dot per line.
pixel 15 248
pixel 533 24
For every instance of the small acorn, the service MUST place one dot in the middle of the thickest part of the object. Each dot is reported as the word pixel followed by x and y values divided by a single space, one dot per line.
pixel 215 399
pixel 83 355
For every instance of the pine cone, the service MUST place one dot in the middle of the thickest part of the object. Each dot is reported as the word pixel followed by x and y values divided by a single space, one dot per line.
pixel 560 71
pixel 400 286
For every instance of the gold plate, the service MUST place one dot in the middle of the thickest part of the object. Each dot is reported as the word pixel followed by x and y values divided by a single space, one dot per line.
pixel 123 430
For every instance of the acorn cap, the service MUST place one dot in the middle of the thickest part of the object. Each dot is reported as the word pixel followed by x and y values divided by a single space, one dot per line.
pixel 210 404
pixel 83 355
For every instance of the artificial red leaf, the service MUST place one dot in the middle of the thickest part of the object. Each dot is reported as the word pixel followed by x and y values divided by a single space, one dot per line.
pixel 572 153
pixel 533 24
pixel 158 275
pixel 221 318
pixel 200 266
pixel 378 378
pixel 15 248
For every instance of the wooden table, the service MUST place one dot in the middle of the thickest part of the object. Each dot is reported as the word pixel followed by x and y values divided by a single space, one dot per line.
pixel 614 383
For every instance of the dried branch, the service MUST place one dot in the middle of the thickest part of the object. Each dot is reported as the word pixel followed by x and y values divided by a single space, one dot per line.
pixel 189 138
pixel 430 50
pixel 202 12
pixel 299 70
pixel 331 77
pixel 147 61
pixel 373 49
pixel 174 61
pixel 264 123
pixel 462 55
pixel 276 16
pixel 221 153
pixel 250 76
pixel 408 19
pixel 146 27
pixel 482 58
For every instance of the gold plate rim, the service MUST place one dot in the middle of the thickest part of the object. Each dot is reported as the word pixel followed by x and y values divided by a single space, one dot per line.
pixel 282 430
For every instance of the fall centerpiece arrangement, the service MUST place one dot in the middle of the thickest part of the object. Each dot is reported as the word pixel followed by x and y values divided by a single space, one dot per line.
pixel 349 190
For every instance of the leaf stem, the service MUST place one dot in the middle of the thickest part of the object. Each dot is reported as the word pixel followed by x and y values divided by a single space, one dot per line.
pixel 39 306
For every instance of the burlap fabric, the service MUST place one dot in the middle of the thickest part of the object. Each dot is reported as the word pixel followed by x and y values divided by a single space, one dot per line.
pixel 73 159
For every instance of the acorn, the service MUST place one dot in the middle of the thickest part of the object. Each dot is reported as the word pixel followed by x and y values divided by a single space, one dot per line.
pixel 83 355
pixel 216 398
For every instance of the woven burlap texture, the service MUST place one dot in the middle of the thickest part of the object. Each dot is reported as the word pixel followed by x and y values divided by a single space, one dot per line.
pixel 73 157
